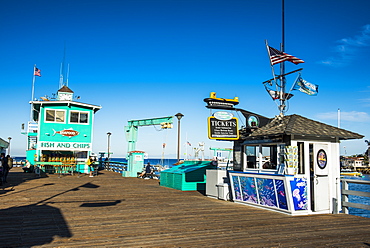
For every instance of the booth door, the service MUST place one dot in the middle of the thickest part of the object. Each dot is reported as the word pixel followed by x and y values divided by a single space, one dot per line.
pixel 320 178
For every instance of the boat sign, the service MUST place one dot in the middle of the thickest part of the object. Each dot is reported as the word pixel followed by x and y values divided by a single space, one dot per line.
pixel 223 115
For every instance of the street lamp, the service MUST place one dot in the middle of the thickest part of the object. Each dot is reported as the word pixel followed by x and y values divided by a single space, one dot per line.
pixel 109 134
pixel 368 150
pixel 179 116
pixel 9 138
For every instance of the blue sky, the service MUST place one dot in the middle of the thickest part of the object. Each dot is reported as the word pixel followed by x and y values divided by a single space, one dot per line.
pixel 142 59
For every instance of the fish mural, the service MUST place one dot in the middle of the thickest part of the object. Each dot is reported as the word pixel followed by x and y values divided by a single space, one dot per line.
pixel 67 132
pixel 263 191
pixel 281 195
pixel 299 193
pixel 248 189
pixel 266 191
pixel 237 188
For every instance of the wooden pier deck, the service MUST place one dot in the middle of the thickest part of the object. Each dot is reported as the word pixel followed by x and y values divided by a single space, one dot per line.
pixel 111 211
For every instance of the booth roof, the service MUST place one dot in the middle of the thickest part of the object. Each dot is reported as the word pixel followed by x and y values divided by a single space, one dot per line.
pixel 38 104
pixel 65 89
pixel 301 126
pixel 3 143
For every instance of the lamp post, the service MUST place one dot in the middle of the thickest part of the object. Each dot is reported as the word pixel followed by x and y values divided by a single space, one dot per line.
pixel 109 134
pixel 368 150
pixel 179 116
pixel 9 138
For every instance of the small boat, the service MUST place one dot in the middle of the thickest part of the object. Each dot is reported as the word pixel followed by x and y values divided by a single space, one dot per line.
pixel 347 172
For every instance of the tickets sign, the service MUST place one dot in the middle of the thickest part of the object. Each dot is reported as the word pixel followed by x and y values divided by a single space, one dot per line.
pixel 223 129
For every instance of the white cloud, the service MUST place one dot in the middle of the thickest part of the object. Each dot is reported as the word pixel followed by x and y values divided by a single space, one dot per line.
pixel 353 116
pixel 348 47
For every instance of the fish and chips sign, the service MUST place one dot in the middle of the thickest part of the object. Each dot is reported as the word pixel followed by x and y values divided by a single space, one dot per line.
pixel 223 126
pixel 70 146
pixel 65 145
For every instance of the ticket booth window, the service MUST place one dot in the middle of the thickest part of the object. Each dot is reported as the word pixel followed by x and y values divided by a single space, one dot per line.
pixel 251 159
pixel 262 157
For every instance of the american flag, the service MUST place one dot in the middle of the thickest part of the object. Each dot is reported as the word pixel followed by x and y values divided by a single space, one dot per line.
pixel 188 143
pixel 277 57
pixel 37 72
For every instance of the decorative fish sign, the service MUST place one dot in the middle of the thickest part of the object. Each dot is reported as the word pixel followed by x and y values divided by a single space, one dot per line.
pixel 67 132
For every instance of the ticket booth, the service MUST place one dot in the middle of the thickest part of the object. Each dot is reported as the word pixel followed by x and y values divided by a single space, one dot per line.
pixel 60 133
pixel 135 164
pixel 291 165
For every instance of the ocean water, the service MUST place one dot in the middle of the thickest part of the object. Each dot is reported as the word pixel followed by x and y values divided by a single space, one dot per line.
pixel 359 199
pixel 153 161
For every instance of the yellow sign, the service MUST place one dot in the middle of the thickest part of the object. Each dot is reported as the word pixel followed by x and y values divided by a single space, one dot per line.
pixel 220 103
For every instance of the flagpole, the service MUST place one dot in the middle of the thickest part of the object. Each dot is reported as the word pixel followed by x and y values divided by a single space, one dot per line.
pixel 186 147
pixel 338 117
pixel 282 64
pixel 33 89
pixel 295 81
pixel 272 67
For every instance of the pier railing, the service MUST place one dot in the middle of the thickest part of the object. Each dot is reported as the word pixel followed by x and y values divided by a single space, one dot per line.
pixel 118 167
pixel 346 192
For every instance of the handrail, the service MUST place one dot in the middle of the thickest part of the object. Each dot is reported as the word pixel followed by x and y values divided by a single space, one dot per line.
pixel 115 166
pixel 346 192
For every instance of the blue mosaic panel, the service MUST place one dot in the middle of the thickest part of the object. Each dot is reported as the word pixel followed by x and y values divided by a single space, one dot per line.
pixel 236 185
pixel 248 188
pixel 281 195
pixel 299 193
pixel 266 191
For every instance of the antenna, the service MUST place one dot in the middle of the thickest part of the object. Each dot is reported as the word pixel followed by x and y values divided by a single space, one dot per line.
pixel 61 76
pixel 62 70
pixel 67 75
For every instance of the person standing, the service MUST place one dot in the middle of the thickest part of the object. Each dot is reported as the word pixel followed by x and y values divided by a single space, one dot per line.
pixel 90 163
pixel 4 162
pixel 10 162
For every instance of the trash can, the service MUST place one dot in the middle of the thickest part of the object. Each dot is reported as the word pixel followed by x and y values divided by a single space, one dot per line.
pixel 223 191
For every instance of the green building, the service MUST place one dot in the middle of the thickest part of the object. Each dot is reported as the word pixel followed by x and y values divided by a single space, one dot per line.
pixel 60 132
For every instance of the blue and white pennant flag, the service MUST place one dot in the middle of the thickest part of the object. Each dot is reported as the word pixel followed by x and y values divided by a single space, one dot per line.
pixel 305 87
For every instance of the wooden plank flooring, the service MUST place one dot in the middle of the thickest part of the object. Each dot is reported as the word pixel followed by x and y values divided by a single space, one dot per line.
pixel 111 211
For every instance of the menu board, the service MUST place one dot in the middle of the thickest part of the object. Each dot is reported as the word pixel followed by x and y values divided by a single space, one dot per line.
pixel 291 160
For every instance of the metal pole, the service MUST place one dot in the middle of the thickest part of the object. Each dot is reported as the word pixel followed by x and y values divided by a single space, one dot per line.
pixel 178 141
pixel 33 91
pixel 109 134
pixel 108 156
pixel 9 138
pixel 282 64
pixel 179 116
